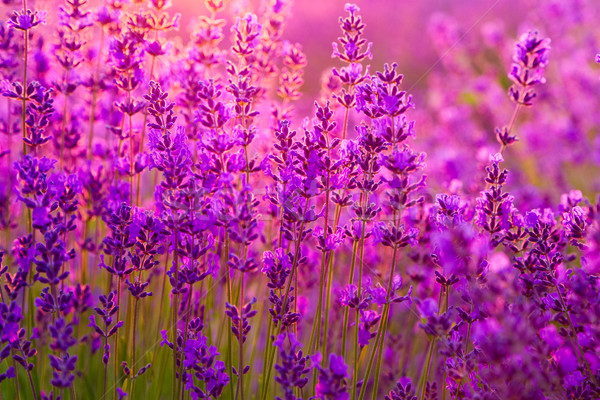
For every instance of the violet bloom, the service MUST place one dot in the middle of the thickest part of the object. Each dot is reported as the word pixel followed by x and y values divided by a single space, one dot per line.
pixel 292 367
pixel 530 58
pixel 63 364
pixel 25 20
pixel 331 383
pixel 352 41
pixel 403 390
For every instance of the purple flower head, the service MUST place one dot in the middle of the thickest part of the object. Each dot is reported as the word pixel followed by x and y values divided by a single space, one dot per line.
pixel 10 373
pixel 121 393
pixel 394 236
pixel 352 41
pixel 24 21
pixel 450 210
pixel 368 320
pixel 538 217
pixel 106 16
pixel 10 318
pixel 332 380
pixel 570 200
pixel 403 390
pixel 531 50
pixel 574 223
pixel 530 58
pixel 292 367
pixel 349 297
pixel 402 161
pixel 277 268
pixel 240 324
pixel 247 31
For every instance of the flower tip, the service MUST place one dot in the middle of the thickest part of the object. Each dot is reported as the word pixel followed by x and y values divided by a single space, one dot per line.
pixel 351 8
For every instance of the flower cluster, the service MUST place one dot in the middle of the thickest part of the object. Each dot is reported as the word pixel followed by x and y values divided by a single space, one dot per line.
pixel 184 217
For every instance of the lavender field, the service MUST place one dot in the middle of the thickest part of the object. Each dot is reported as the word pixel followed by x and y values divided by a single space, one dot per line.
pixel 206 199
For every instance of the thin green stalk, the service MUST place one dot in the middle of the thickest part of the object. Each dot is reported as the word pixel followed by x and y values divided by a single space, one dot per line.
pixel 16 379
pixel 131 159
pixel 446 305
pixel 323 260
pixel 162 297
pixel 116 358
pixel 327 301
pixel 84 253
pixel 266 354
pixel 24 99
pixel 287 292
pixel 316 331
pixel 28 375
pixel 105 367
pixel 174 319
pixel 185 330
pixel 360 272
pixel 467 342
pixel 363 388
pixel 229 333
pixel 132 367
pixel 347 309
pixel 383 327
pixel 425 372
pixel 240 382
pixel 271 356
pixel 254 346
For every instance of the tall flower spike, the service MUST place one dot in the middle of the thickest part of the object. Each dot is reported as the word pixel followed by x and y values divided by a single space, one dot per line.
pixel 352 27
pixel 530 59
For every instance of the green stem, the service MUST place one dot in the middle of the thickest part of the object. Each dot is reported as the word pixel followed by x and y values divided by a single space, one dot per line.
pixel 162 300
pixel 105 369
pixel 316 331
pixel 116 358
pixel 174 315
pixel 266 354
pixel 185 332
pixel 327 301
pixel 28 375
pixel 240 383
pixel 24 99
pixel 360 272
pixel 425 372
pixel 383 327
pixel 229 333
pixel 132 367
pixel 363 388
pixel 16 379
pixel 131 159
pixel 460 382
pixel 347 309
